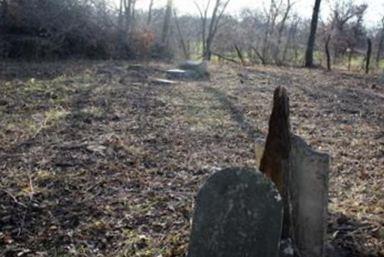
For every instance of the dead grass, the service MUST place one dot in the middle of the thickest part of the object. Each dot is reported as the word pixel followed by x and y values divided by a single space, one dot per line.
pixel 97 161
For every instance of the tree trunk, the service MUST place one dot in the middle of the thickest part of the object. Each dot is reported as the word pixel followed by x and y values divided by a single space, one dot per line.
pixel 149 19
pixel 240 55
pixel 277 58
pixel 121 30
pixel 291 39
pixel 312 35
pixel 369 53
pixel 380 47
pixel 121 17
pixel 328 53
pixel 208 52
pixel 260 56
pixel 127 7
pixel 217 14
pixel 167 22
pixel 270 26
pixel 182 41
pixel 350 59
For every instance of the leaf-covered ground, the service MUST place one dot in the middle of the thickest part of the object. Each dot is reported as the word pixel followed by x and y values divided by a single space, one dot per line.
pixel 95 160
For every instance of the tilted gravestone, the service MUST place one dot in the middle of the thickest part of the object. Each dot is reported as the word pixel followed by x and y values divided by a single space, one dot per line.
pixel 275 161
pixel 238 213
pixel 301 175
pixel 308 189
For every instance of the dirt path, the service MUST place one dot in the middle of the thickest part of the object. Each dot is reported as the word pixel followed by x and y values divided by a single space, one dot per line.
pixel 96 161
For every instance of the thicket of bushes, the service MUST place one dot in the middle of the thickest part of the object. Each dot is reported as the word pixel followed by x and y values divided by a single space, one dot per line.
pixel 46 29
pixel 57 29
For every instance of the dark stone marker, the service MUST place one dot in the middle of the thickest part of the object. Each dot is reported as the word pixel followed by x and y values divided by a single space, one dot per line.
pixel 238 214
pixel 275 161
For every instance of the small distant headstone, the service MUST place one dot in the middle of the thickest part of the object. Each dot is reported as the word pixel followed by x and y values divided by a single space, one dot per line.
pixel 175 74
pixel 136 67
pixel 182 74
pixel 238 213
pixel 308 188
pixel 200 68
pixel 164 82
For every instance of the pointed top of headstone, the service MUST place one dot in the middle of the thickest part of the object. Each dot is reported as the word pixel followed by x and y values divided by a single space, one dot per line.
pixel 281 101
pixel 278 142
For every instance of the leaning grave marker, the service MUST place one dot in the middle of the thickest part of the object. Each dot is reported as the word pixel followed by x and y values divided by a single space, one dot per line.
pixel 301 175
pixel 308 189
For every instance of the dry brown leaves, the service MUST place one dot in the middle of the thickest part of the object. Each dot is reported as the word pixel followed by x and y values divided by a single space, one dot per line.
pixel 98 161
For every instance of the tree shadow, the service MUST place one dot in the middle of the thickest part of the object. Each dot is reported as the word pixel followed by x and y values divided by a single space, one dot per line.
pixel 236 114
pixel 13 69
pixel 347 237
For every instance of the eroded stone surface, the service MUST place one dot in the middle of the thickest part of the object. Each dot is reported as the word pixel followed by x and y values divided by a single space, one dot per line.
pixel 309 197
pixel 238 214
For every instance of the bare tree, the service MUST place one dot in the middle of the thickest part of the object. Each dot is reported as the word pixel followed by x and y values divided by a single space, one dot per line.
pixel 209 31
pixel 327 52
pixel 126 17
pixel 380 44
pixel 368 57
pixel 184 47
pixel 240 55
pixel 167 23
pixel 291 37
pixel 272 14
pixel 280 31
pixel 129 11
pixel 149 18
pixel 347 27
pixel 312 35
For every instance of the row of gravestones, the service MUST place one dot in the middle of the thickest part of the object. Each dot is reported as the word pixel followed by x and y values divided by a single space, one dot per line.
pixel 239 211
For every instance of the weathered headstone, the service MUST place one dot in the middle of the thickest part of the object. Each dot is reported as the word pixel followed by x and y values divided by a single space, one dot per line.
pixel 238 214
pixel 308 189
pixel 301 176
pixel 275 161
pixel 196 69
pixel 182 74
pixel 189 70
pixel 201 66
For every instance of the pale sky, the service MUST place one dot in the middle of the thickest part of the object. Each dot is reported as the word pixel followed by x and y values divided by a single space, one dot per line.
pixel 302 7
